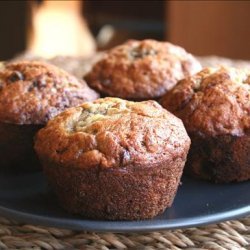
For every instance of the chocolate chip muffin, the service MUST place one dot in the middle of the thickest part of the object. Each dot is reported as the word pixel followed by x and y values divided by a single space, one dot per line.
pixel 141 70
pixel 214 106
pixel 114 159
pixel 31 93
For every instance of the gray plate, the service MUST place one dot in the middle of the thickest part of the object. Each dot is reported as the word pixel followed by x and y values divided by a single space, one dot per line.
pixel 26 198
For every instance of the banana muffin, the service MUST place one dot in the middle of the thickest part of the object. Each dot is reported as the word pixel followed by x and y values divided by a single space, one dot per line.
pixel 114 159
pixel 31 93
pixel 141 70
pixel 214 106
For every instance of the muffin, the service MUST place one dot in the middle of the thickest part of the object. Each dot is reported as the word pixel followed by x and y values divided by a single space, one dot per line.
pixel 31 93
pixel 114 159
pixel 141 70
pixel 214 106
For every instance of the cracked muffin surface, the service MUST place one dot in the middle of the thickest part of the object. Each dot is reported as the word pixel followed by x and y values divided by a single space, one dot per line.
pixel 111 132
pixel 114 159
pixel 215 101
pixel 33 92
pixel 214 106
pixel 140 70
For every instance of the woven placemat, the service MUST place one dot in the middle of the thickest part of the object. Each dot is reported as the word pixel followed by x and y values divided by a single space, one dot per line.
pixel 233 235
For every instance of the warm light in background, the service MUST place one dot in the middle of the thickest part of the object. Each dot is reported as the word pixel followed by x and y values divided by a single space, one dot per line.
pixel 59 29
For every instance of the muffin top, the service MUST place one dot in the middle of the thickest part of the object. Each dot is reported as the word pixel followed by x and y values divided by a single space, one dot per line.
pixel 33 92
pixel 140 70
pixel 216 101
pixel 111 132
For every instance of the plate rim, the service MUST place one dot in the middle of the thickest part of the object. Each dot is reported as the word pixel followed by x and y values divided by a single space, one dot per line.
pixel 124 226
pixel 45 218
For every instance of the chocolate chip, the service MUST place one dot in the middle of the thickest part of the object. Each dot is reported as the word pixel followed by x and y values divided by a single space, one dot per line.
pixel 47 117
pixel 39 83
pixel 61 150
pixel 30 88
pixel 136 54
pixel 16 76
pixel 94 131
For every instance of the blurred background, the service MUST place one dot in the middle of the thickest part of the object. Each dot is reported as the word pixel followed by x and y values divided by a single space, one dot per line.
pixel 79 28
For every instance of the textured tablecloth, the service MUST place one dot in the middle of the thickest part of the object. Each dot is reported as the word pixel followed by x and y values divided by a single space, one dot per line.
pixel 227 235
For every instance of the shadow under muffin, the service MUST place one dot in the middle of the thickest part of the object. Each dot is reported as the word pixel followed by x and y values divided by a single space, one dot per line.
pixel 16 147
pixel 223 158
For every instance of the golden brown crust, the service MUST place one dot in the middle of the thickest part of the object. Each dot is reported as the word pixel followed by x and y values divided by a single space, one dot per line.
pixel 215 108
pixel 140 70
pixel 114 159
pixel 34 92
pixel 213 102
pixel 111 132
